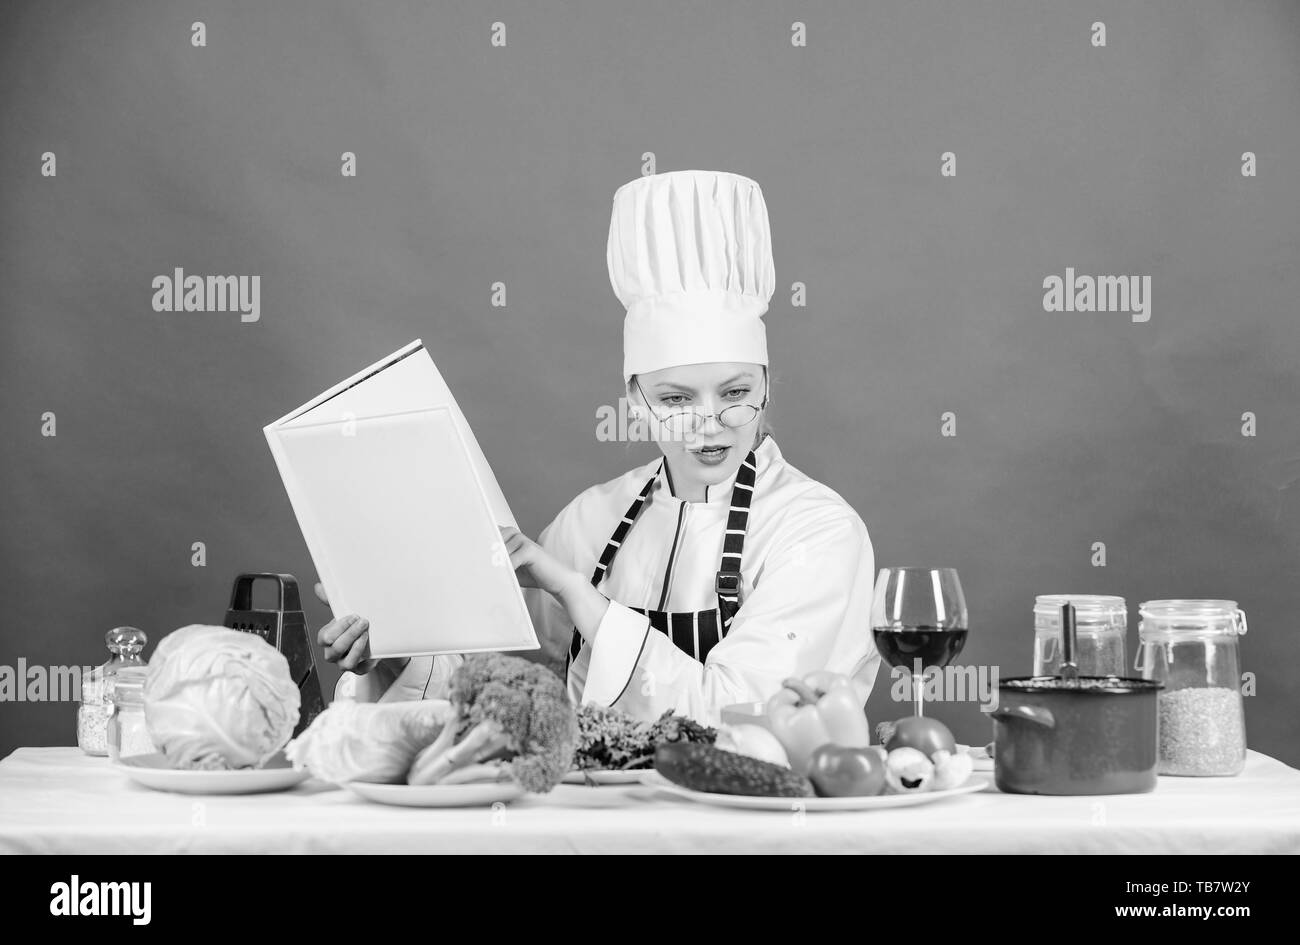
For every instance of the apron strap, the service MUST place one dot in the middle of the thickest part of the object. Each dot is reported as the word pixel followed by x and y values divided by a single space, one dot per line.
pixel 620 533
pixel 727 581
pixel 611 549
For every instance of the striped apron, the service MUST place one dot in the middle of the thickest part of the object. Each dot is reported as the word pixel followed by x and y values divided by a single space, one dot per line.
pixel 692 632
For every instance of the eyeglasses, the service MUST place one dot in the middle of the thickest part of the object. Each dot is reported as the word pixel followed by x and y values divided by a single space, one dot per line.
pixel 688 420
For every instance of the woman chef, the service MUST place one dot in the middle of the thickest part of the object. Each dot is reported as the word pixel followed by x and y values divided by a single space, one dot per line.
pixel 710 574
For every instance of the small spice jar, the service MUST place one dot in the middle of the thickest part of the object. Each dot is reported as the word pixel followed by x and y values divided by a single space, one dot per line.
pixel 1192 647
pixel 1101 623
pixel 127 732
pixel 92 714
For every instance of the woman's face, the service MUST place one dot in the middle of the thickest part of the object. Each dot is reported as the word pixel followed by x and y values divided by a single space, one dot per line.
pixel 714 452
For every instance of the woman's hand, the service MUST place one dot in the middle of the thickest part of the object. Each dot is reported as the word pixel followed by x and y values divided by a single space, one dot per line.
pixel 535 566
pixel 346 640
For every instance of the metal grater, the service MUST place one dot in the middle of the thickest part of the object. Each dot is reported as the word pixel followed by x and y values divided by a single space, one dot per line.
pixel 285 628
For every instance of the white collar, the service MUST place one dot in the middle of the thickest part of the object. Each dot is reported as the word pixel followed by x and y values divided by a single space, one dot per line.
pixel 720 493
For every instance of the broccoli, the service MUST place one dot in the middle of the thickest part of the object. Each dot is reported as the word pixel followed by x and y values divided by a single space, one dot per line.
pixel 512 717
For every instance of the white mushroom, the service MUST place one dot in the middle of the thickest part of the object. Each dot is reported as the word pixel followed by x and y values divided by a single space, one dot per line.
pixel 950 770
pixel 907 771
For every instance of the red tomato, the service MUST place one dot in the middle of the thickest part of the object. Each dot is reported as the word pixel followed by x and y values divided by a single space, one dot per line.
pixel 924 734
pixel 837 771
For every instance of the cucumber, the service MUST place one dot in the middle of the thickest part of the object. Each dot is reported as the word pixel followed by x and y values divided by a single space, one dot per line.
pixel 710 769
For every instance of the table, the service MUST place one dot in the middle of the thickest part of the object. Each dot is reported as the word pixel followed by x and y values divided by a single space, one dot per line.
pixel 58 800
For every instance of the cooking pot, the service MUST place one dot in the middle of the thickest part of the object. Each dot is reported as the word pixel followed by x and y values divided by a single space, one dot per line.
pixel 1087 735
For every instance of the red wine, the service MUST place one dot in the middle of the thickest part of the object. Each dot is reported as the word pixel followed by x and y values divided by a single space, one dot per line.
pixel 933 646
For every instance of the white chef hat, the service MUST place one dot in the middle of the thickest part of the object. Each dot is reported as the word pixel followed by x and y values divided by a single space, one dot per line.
pixel 690 258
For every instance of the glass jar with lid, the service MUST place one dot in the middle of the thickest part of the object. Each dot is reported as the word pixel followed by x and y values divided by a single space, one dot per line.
pixel 127 733
pixel 125 644
pixel 1192 647
pixel 1101 623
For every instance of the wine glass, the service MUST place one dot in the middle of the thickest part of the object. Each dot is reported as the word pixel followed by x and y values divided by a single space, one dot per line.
pixel 918 617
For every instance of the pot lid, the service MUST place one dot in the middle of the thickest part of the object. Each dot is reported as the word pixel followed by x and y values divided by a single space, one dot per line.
pixel 1084 685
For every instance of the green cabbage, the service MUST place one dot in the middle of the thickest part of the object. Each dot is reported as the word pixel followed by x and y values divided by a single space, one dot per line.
pixel 368 741
pixel 218 698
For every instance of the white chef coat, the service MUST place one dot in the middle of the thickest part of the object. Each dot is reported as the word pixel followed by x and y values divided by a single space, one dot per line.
pixel 807 578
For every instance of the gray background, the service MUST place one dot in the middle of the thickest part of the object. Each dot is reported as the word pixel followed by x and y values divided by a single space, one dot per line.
pixel 479 164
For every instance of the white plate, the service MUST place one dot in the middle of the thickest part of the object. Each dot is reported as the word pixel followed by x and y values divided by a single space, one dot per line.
pixel 482 794
pixel 596 778
pixel 657 781
pixel 152 771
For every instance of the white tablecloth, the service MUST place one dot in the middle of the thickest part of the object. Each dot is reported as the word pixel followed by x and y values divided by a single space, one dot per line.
pixel 57 800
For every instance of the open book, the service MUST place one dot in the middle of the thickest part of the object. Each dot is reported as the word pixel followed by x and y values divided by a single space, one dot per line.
pixel 399 510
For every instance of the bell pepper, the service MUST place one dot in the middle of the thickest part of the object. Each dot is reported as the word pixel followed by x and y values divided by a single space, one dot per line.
pixel 822 708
